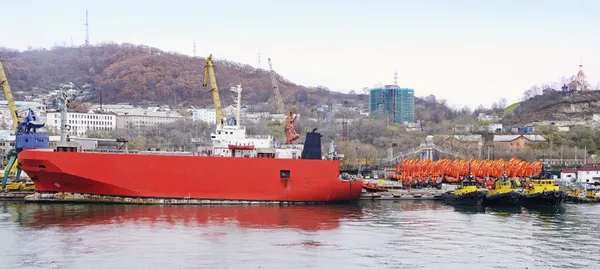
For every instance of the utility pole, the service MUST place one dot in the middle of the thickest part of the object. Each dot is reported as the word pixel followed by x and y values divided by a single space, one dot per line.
pixel 194 49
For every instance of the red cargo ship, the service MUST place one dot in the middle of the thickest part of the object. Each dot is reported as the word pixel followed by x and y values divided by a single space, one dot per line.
pixel 241 169
pixel 188 179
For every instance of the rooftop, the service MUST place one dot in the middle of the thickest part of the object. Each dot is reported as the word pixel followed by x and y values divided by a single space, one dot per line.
pixel 464 138
pixel 509 138
pixel 590 167
pixel 85 111
pixel 568 170
pixel 20 103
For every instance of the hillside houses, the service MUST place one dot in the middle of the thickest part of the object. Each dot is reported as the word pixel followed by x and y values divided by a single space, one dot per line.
pixel 511 143
pixel 470 146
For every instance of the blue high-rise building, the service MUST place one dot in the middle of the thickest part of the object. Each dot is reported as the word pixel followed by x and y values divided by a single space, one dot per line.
pixel 398 104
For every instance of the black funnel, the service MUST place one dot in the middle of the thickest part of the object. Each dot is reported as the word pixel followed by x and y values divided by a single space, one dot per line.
pixel 312 146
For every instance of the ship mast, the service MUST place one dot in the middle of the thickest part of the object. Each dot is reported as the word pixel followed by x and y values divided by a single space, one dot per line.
pixel 63 100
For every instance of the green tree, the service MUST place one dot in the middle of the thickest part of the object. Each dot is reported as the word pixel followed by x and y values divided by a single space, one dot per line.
pixel 276 129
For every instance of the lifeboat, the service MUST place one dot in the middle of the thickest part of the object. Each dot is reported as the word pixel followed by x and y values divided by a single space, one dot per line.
pixel 502 194
pixel 451 179
pixel 373 187
pixel 466 195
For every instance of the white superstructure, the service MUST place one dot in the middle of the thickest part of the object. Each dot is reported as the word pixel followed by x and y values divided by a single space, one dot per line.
pixel 230 140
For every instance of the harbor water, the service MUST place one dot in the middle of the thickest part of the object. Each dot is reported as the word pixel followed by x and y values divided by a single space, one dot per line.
pixel 366 234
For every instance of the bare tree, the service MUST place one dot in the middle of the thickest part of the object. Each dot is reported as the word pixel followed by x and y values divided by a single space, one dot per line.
pixel 532 92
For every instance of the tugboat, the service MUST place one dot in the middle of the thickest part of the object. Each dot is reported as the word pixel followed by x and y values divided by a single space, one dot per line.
pixel 503 194
pixel 576 196
pixel 543 192
pixel 466 195
pixel 593 194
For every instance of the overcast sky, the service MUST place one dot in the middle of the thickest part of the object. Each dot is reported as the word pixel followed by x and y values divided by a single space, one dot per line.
pixel 468 52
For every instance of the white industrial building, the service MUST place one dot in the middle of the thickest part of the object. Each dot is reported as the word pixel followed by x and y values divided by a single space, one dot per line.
pixel 208 115
pixel 568 174
pixel 588 173
pixel 144 118
pixel 82 122
pixel 6 118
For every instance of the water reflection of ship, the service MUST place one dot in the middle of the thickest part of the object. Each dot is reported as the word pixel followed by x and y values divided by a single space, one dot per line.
pixel 309 218
pixel 545 210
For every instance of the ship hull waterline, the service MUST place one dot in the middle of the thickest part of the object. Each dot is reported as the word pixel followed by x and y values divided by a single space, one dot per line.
pixel 507 199
pixel 550 198
pixel 471 199
pixel 136 178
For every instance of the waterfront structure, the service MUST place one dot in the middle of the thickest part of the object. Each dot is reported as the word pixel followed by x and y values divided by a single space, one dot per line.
pixel 392 103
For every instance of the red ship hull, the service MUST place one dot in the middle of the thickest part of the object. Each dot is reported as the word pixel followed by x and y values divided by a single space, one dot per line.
pixel 187 177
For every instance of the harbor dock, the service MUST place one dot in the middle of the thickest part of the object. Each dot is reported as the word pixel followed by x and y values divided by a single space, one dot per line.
pixel 14 195
pixel 395 194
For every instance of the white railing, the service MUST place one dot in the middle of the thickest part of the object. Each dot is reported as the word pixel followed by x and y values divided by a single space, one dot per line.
pixel 177 153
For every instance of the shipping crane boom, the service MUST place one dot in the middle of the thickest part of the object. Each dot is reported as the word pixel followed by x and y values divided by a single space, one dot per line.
pixel 12 107
pixel 278 99
pixel 209 71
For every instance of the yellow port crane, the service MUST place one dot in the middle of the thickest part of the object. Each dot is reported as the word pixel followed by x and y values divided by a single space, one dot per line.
pixel 11 169
pixel 12 107
pixel 209 71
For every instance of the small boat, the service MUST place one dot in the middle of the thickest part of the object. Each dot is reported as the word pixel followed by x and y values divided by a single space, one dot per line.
pixel 373 187
pixel 466 195
pixel 543 192
pixel 503 194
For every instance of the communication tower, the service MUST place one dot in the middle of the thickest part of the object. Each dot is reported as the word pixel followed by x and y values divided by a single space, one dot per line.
pixel 87 30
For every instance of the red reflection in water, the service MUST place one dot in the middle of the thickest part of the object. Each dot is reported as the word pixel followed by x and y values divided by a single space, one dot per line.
pixel 310 218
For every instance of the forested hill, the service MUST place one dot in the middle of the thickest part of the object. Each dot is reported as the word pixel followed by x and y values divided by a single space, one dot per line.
pixel 138 73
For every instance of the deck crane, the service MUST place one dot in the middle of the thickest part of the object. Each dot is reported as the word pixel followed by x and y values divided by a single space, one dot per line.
pixel 209 71
pixel 290 132
pixel 26 136
pixel 278 99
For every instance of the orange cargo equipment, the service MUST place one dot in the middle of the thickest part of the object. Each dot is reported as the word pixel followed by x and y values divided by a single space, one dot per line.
pixel 454 170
